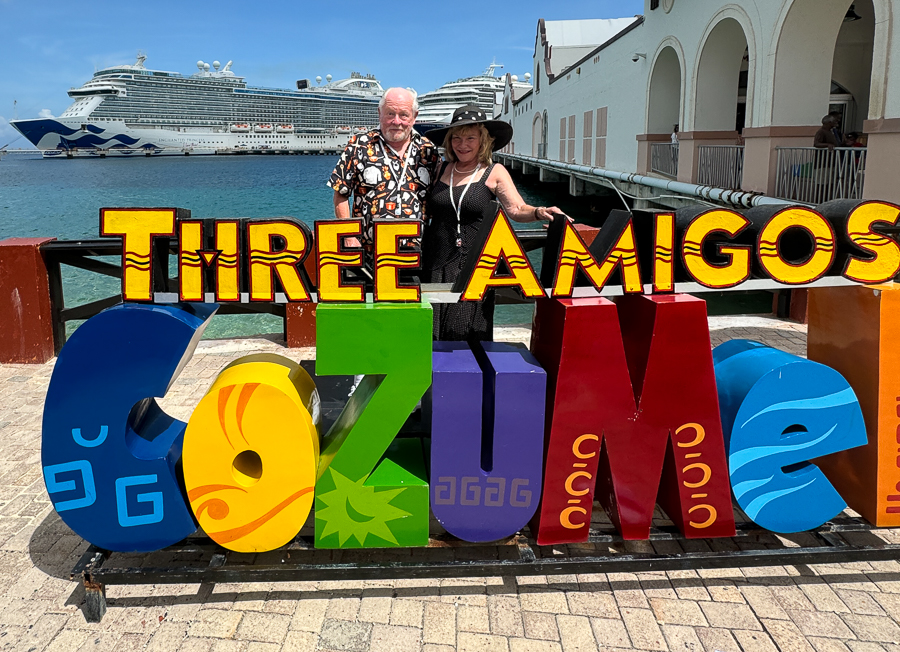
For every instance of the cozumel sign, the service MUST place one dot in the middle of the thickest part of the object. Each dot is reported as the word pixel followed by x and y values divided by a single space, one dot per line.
pixel 622 403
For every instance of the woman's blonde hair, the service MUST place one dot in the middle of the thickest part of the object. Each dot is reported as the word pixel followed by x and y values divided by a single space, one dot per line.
pixel 484 152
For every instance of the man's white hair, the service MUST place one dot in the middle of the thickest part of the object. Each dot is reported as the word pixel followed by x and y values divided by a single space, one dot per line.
pixel 415 97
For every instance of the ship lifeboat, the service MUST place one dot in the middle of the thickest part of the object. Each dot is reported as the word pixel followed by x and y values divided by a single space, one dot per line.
pixel 263 128
pixel 240 127
pixel 342 130
pixel 285 129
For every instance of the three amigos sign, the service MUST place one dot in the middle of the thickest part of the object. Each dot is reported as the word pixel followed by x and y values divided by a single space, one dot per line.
pixel 244 260
pixel 621 403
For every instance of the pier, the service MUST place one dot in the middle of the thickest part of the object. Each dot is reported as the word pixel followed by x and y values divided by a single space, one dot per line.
pixel 644 191
pixel 165 151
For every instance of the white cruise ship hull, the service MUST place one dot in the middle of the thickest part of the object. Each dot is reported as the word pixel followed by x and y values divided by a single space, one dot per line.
pixel 81 137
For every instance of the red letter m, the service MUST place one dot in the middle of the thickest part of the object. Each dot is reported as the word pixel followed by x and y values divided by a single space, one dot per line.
pixel 632 411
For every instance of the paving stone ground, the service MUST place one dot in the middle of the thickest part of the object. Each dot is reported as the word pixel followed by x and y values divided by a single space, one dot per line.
pixel 823 608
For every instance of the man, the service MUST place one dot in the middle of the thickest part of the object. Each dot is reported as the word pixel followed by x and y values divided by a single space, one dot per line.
pixel 387 170
pixel 825 138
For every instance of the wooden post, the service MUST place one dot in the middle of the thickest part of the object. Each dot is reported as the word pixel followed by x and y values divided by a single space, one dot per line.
pixel 26 327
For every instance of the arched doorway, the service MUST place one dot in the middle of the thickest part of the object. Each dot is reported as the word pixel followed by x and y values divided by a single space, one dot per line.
pixel 851 67
pixel 824 63
pixel 822 42
pixel 722 93
pixel 536 130
pixel 722 75
pixel 664 112
pixel 664 104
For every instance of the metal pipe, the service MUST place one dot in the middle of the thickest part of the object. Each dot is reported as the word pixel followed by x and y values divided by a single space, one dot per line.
pixel 740 198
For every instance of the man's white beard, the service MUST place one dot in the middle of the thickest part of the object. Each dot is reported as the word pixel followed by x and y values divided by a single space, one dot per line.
pixel 392 135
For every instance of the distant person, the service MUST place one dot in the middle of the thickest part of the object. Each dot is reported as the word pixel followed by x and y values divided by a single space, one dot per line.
pixel 387 170
pixel 825 137
pixel 675 135
pixel 852 140
pixel 466 183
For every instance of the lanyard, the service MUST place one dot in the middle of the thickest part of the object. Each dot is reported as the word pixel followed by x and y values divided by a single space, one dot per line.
pixel 402 179
pixel 458 209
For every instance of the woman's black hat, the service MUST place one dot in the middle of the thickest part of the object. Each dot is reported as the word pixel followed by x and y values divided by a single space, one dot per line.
pixel 470 114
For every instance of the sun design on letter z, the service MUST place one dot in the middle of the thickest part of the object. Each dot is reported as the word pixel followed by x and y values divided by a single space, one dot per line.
pixel 355 510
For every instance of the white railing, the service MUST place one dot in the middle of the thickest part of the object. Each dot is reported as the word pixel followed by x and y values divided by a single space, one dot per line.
pixel 812 176
pixel 664 159
pixel 720 166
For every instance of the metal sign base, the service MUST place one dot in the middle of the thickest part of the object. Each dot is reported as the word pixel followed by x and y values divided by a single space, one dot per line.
pixel 845 539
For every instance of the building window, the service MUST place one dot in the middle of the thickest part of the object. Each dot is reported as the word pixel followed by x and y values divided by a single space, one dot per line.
pixel 571 153
pixel 587 140
pixel 600 138
pixel 654 4
pixel 562 139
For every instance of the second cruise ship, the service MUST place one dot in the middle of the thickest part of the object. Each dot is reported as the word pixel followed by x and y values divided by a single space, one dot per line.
pixel 130 110
pixel 485 90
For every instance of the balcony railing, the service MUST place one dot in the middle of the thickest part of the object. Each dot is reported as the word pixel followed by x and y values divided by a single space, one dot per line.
pixel 721 166
pixel 813 176
pixel 664 159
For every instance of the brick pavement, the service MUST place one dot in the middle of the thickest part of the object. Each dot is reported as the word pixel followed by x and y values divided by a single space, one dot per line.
pixel 824 608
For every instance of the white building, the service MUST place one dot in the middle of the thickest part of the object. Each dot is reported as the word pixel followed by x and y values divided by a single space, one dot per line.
pixel 756 77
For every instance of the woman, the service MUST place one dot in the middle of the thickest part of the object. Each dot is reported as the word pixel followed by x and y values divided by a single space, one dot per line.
pixel 465 184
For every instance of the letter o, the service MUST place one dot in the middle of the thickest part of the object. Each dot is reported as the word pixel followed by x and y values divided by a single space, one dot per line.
pixel 251 452
pixel 818 228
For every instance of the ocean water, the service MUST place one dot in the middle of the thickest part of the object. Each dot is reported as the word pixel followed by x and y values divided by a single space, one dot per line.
pixel 62 199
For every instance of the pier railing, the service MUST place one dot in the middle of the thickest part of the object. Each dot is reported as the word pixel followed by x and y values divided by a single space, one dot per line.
pixel 664 159
pixel 814 175
pixel 721 166
pixel 87 255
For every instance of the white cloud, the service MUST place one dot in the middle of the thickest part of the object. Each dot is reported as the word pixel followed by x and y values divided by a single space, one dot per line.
pixel 46 113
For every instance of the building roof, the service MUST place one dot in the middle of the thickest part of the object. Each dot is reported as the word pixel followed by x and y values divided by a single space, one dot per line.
pixel 566 41
pixel 588 32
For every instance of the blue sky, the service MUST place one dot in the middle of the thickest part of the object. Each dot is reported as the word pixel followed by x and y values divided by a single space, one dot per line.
pixel 48 46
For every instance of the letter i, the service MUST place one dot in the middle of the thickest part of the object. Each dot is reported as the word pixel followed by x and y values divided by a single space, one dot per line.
pixel 663 252
pixel 227 277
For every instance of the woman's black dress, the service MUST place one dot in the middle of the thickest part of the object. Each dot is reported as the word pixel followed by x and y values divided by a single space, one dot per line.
pixel 442 260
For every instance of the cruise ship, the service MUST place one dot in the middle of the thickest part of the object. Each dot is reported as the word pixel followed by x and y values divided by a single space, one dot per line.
pixel 485 90
pixel 130 110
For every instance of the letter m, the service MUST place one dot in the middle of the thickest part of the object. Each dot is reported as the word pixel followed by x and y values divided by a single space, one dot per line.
pixel 633 415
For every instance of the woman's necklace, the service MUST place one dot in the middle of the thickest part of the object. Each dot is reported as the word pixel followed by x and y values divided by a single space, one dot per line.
pixel 458 209
pixel 456 167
